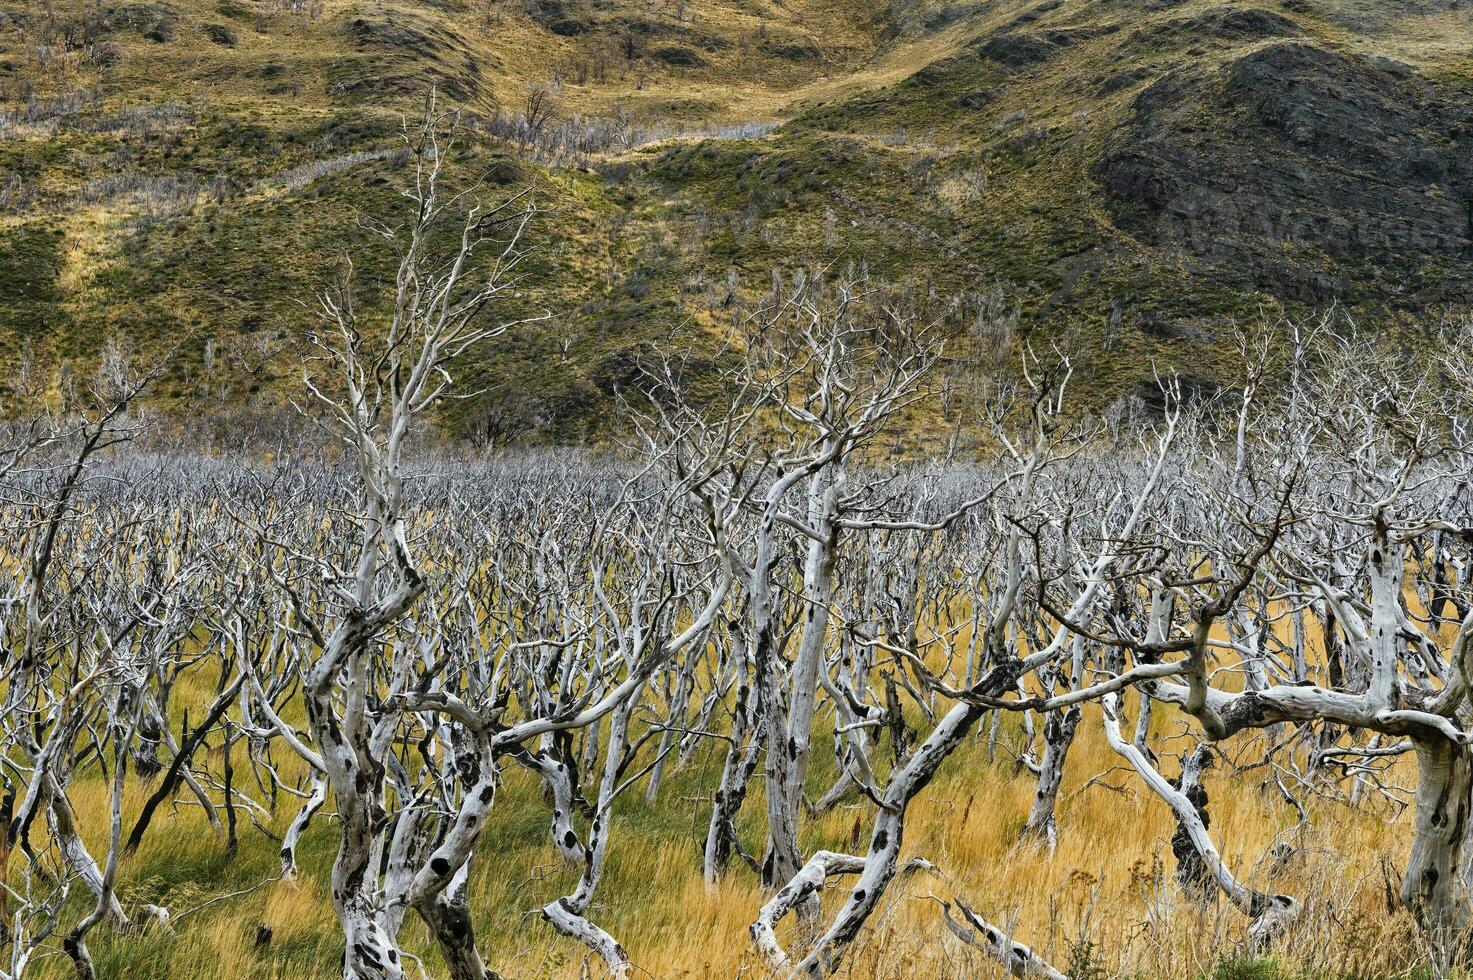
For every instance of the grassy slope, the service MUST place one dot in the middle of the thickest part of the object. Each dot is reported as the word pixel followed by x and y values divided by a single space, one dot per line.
pixel 907 146
pixel 879 161
pixel 158 207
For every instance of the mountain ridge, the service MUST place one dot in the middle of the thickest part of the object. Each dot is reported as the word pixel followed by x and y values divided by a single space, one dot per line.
pixel 1139 176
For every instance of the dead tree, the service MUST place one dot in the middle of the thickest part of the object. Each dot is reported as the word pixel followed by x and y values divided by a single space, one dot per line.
pixel 383 378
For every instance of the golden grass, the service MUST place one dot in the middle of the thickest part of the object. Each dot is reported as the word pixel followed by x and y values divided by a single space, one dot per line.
pixel 1107 888
pixel 1105 898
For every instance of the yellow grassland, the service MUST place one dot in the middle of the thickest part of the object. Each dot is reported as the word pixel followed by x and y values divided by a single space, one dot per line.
pixel 1105 901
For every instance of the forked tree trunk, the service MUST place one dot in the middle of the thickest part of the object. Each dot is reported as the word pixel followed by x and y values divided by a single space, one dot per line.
pixel 736 775
pixel 883 860
pixel 370 952
pixel 568 915
pixel 1058 735
pixel 1433 888
pixel 449 919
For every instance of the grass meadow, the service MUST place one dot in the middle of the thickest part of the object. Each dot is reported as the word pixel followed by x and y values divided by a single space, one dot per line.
pixel 1104 903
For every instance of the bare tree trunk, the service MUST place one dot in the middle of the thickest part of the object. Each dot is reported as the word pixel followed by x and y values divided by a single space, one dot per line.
pixel 772 703
pixel 298 826
pixel 1017 959
pixel 679 705
pixel 449 919
pixel 742 754
pixel 1268 914
pixel 1192 872
pixel 63 823
pixel 1433 888
pixel 791 747
pixel 883 860
pixel 1058 735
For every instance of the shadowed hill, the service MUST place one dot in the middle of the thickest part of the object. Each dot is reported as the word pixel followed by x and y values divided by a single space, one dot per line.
pixel 1137 175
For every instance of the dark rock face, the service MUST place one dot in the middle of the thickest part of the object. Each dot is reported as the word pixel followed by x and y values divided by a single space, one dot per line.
pixel 1325 104
pixel 1121 80
pixel 800 50
pixel 1240 24
pixel 1022 50
pixel 1018 50
pixel 1304 146
pixel 559 17
pixel 1232 24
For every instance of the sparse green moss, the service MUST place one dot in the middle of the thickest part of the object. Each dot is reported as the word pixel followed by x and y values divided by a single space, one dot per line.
pixel 31 264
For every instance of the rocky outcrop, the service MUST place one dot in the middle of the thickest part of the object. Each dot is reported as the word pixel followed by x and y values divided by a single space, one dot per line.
pixel 1354 162
pixel 1228 24
pixel 1020 50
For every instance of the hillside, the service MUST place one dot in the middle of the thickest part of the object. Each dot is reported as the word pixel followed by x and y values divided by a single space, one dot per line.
pixel 841 566
pixel 1136 175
